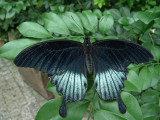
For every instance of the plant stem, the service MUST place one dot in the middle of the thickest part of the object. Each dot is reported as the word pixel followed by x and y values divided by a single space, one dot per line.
pixel 146 65
pixel 151 39
pixel 91 109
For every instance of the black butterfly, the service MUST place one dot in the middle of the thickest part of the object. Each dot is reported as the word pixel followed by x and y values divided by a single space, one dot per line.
pixel 65 61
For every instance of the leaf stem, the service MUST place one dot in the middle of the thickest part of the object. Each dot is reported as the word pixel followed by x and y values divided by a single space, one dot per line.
pixel 145 65
pixel 91 109
pixel 151 39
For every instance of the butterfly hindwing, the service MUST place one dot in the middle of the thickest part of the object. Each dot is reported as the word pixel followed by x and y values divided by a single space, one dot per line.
pixel 72 84
pixel 63 61
pixel 111 58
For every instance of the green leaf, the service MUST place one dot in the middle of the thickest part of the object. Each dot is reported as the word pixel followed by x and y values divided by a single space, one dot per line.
pixel 130 3
pixel 108 37
pixel 115 13
pixel 125 12
pixel 106 24
pixel 139 27
pixel 150 110
pixel 31 29
pixel 89 20
pixel 105 115
pixel 55 24
pixel 50 110
pixel 2 14
pixel 154 71
pixel 11 49
pixel 157 87
pixel 73 22
pixel 97 12
pixel 155 50
pixel 123 21
pixel 122 1
pixel 147 16
pixel 130 102
pixel 150 96
pixel 52 88
pixel 106 12
pixel 145 78
pixel 133 82
pixel 152 118
pixel 10 14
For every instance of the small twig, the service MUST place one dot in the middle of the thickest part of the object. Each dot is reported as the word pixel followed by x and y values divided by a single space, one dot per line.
pixel 79 4
pixel 89 115
pixel 151 39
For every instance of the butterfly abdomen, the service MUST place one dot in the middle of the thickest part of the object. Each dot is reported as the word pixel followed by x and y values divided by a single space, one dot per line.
pixel 87 48
pixel 89 65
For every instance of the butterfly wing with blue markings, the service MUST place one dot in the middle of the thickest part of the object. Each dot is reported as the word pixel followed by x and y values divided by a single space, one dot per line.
pixel 111 58
pixel 63 61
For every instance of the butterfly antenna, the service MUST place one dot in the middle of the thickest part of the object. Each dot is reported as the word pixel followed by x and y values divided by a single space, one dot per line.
pixel 97 24
pixel 77 23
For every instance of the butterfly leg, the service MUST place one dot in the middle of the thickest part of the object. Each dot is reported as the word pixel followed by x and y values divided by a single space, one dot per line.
pixel 62 110
pixel 121 105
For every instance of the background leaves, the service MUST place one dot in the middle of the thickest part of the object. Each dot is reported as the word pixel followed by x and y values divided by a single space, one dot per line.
pixel 31 29
pixel 139 22
pixel 12 49
pixel 54 24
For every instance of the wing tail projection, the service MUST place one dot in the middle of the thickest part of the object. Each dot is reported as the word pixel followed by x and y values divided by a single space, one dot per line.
pixel 72 84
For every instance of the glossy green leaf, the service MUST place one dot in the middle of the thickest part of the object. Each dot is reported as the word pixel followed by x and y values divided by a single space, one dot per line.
pixel 152 118
pixel 155 74
pixel 108 37
pixel 155 50
pixel 150 96
pixel 139 27
pixel 11 49
pixel 55 24
pixel 130 3
pixel 106 23
pixel 150 110
pixel 97 12
pixel 125 12
pixel 146 16
pixel 73 22
pixel 145 78
pixel 34 30
pixel 133 83
pixel 105 115
pixel 123 21
pixel 50 110
pixel 90 21
pixel 115 13
pixel 52 88
pixel 130 102
pixel 106 12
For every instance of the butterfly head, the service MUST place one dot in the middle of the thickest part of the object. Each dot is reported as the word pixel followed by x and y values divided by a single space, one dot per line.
pixel 86 38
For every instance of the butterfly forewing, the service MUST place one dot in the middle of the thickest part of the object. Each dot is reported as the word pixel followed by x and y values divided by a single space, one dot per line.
pixel 111 58
pixel 48 56
pixel 63 61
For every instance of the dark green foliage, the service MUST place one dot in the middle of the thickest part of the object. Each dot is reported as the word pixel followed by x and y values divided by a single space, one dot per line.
pixel 142 88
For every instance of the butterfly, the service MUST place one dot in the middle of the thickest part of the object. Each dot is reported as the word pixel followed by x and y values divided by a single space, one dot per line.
pixel 67 62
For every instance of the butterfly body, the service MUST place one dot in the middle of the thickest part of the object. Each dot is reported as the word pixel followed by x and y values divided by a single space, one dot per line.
pixel 67 63
pixel 87 48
